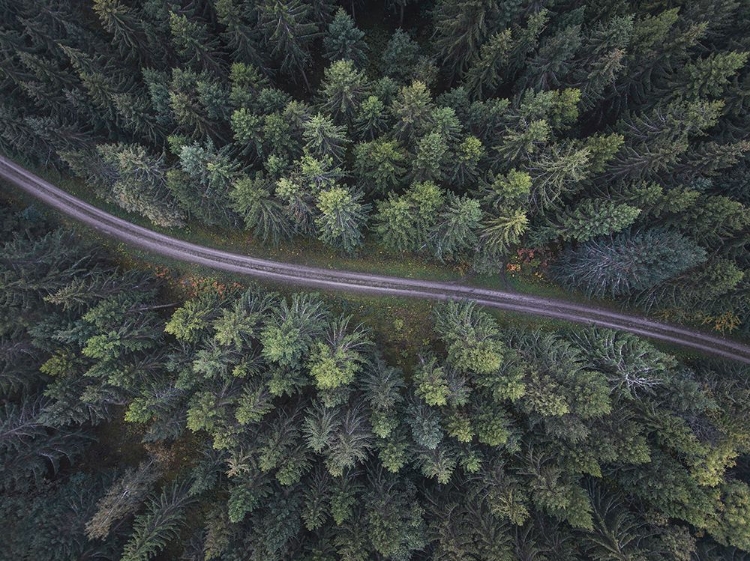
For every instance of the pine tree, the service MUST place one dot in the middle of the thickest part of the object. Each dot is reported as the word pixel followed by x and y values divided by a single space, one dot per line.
pixel 553 60
pixel 289 334
pixel 289 31
pixel 400 57
pixel 431 382
pixel 30 450
pixel 412 110
pixel 371 119
pixel 247 84
pixel 350 443
pixel 430 158
pixel 405 223
pixel 261 212
pixel 337 361
pixel 471 336
pixel 241 33
pixel 425 424
pixel 344 41
pixel 395 224
pixel 127 28
pixel 101 83
pixel 195 45
pixel 603 58
pixel 140 183
pixel 124 497
pixel 137 115
pixel 455 231
pixel 203 182
pixel 499 233
pixel 156 527
pixel 592 218
pixel 706 78
pixel 627 263
pixel 466 162
pixel 483 77
pixel 460 28
pixel 343 90
pixel 325 139
pixel 558 172
pixel 342 218
pixel 658 45
pixel 50 523
pixel 379 166
pixel 199 105
pixel 713 220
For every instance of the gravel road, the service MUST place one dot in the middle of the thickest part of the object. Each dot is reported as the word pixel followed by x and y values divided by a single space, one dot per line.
pixel 361 282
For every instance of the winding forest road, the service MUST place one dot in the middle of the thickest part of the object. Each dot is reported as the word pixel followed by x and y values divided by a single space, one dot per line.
pixel 361 282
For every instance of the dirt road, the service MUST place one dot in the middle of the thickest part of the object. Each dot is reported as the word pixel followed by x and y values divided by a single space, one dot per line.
pixel 361 282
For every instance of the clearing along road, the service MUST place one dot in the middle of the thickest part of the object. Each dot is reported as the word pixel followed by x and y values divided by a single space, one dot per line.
pixel 361 282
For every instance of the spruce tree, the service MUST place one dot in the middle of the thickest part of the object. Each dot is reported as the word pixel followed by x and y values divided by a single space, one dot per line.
pixel 627 263
pixel 344 41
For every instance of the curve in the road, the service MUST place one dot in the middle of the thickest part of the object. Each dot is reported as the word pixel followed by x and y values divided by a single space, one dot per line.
pixel 361 282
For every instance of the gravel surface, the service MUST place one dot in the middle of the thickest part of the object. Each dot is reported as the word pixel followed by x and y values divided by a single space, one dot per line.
pixel 362 282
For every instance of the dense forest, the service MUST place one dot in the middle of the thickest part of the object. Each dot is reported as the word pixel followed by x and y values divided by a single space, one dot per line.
pixel 274 428
pixel 610 135
pixel 143 418
pixel 228 422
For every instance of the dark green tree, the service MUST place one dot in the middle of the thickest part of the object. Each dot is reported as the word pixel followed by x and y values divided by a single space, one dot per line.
pixel 344 41
pixel 471 337
pixel 455 231
pixel 202 184
pixel 372 118
pixel 412 110
pixel 400 57
pixel 627 263
pixel 379 166
pixel 122 499
pixel 289 30
pixel 460 28
pixel 195 44
pixel 158 525
pixel 430 158
pixel 241 34
pixel 263 214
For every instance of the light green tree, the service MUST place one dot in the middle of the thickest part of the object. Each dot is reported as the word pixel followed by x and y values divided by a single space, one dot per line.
pixel 342 218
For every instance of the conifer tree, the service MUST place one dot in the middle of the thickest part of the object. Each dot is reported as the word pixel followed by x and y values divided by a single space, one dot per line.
pixel 412 110
pixel 344 41
pixel 158 525
pixel 241 34
pixel 343 90
pixel 324 139
pixel 372 118
pixel 194 43
pixel 460 28
pixel 627 263
pixel 342 218
pixel 289 30
pixel 592 218
pixel 430 158
pixel 202 184
pixel 262 213
pixel 400 57
pixel 455 231
pixel 395 224
pixel 380 165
